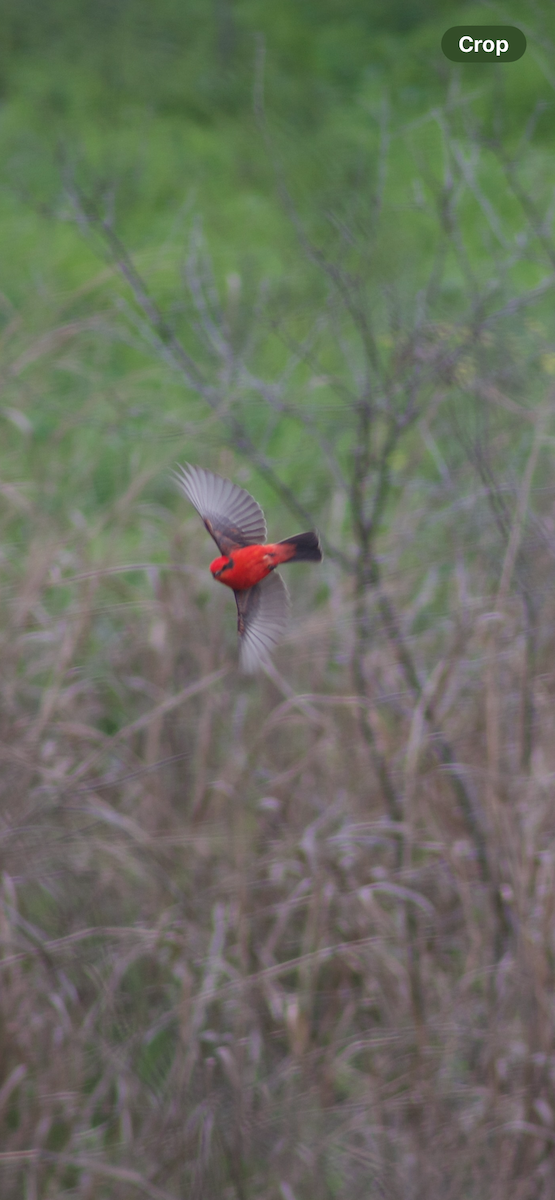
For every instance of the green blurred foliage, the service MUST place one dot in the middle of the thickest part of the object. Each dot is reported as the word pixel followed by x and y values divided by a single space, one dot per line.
pixel 150 108
pixel 153 104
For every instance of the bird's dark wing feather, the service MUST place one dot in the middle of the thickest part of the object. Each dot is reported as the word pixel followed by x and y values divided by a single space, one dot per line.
pixel 262 613
pixel 230 514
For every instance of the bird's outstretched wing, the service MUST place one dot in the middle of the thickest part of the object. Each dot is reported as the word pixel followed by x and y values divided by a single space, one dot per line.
pixel 262 613
pixel 230 514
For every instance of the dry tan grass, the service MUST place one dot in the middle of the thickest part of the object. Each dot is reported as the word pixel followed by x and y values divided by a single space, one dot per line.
pixel 226 972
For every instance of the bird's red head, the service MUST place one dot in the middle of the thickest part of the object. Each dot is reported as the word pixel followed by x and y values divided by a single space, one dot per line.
pixel 220 565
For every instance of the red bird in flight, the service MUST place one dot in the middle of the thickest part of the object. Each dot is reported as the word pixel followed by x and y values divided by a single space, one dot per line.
pixel 247 563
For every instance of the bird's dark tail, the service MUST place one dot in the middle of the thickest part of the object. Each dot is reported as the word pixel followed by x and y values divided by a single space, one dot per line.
pixel 305 547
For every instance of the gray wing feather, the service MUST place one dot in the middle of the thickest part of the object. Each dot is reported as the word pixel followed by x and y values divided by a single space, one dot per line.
pixel 262 618
pixel 231 515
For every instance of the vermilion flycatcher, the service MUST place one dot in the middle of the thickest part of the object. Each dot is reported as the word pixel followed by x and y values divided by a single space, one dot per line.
pixel 247 563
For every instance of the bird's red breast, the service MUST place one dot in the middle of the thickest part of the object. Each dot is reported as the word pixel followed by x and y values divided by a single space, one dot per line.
pixel 250 564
